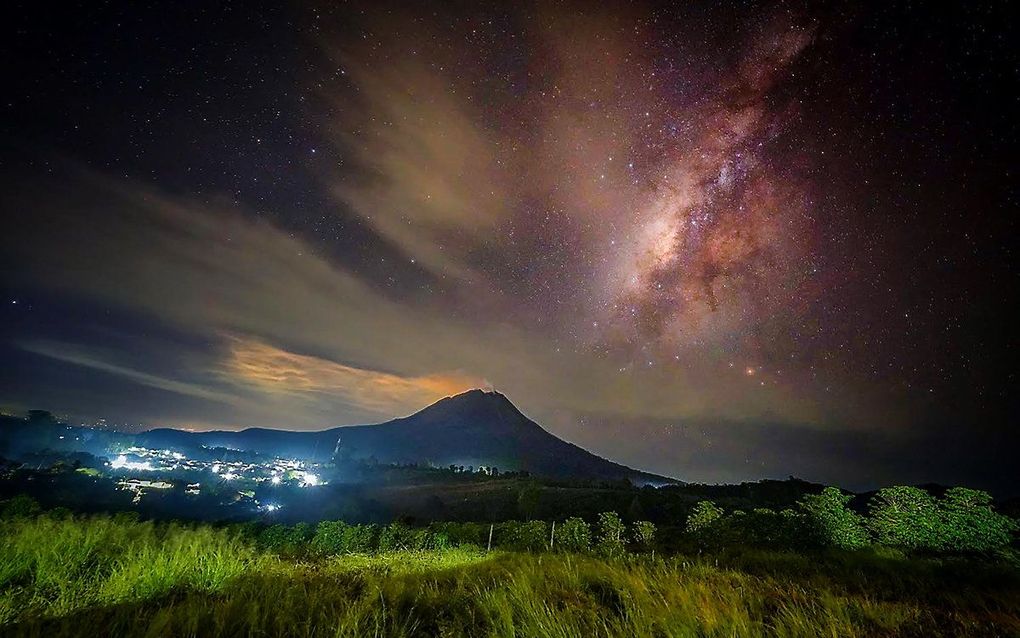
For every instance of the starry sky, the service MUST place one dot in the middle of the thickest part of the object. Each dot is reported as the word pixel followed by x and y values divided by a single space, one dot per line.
pixel 718 241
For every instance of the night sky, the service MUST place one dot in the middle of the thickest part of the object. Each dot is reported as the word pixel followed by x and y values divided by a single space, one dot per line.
pixel 718 241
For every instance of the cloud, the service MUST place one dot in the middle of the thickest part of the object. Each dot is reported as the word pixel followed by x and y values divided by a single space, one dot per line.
pixel 428 175
pixel 273 370
pixel 210 270
pixel 75 354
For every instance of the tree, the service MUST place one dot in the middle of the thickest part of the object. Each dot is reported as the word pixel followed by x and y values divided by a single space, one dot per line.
pixel 970 524
pixel 642 535
pixel 574 535
pixel 704 514
pixel 611 530
pixel 830 523
pixel 41 417
pixel 905 517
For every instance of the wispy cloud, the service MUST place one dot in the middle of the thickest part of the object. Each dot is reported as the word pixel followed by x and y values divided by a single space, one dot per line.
pixel 75 354
pixel 274 370
pixel 210 270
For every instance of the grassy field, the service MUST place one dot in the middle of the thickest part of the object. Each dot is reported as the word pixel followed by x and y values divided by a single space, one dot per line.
pixel 102 576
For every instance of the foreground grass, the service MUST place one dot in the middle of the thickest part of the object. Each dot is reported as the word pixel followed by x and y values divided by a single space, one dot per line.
pixel 104 577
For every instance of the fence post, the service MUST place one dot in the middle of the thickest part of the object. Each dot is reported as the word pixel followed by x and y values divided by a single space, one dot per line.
pixel 489 547
pixel 552 536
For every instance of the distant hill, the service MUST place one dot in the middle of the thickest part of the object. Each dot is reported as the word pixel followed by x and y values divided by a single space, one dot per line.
pixel 475 428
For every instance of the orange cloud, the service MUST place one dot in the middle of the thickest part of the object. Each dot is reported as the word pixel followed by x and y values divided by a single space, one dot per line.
pixel 274 370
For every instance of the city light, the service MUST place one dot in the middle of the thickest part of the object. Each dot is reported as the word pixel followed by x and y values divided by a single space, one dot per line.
pixel 310 479
pixel 276 479
pixel 121 462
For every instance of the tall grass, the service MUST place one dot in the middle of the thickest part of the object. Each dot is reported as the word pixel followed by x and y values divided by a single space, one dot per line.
pixel 100 576
pixel 54 566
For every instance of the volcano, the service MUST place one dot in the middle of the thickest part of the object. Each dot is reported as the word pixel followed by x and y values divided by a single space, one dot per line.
pixel 475 428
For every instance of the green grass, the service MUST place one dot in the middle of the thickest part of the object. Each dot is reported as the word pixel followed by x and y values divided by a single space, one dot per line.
pixel 100 576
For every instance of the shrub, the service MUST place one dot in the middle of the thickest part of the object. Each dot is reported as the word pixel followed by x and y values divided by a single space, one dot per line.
pixel 642 535
pixel 610 536
pixel 361 539
pixel 906 517
pixel 273 537
pixel 428 540
pixel 532 536
pixel 19 506
pixel 505 534
pixel 463 533
pixel 396 536
pixel 285 539
pixel 574 535
pixel 330 538
pixel 764 527
pixel 830 523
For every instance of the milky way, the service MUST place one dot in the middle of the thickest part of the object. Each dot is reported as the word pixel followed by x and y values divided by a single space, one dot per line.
pixel 635 200
pixel 710 241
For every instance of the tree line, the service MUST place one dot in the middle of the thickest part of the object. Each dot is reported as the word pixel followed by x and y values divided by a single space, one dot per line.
pixel 961 521
pixel 909 518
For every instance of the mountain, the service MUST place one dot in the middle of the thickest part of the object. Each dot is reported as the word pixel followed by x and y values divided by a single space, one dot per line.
pixel 475 428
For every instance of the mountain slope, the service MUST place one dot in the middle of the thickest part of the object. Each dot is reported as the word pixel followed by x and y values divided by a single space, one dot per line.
pixel 474 428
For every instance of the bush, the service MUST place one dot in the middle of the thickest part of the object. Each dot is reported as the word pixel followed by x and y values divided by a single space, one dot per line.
pixel 395 537
pixel 463 533
pixel 906 517
pixel 330 538
pixel 505 534
pixel 532 536
pixel 574 535
pixel 428 540
pixel 830 523
pixel 609 541
pixel 642 535
pixel 19 506
pixel 767 528
pixel 284 539
pixel 361 539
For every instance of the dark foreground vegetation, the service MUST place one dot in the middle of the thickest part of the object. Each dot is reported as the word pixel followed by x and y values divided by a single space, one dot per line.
pixel 914 566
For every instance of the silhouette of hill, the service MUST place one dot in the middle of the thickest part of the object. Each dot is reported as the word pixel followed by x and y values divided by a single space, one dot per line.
pixel 476 428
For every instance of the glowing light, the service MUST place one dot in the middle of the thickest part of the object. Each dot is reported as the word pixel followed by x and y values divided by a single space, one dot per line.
pixel 276 479
pixel 121 462
pixel 229 476
pixel 310 479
